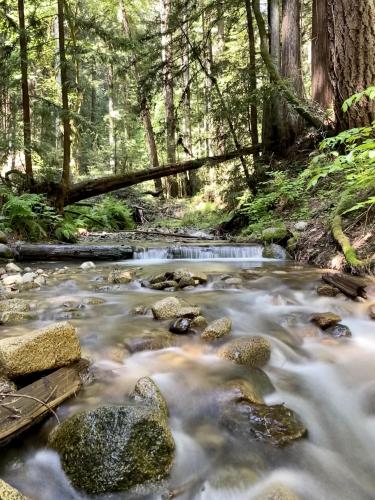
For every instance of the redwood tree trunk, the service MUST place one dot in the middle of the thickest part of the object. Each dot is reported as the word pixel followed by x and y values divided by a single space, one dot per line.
pixel 143 103
pixel 65 98
pixel 321 87
pixel 351 26
pixel 166 42
pixel 252 75
pixel 291 68
pixel 25 91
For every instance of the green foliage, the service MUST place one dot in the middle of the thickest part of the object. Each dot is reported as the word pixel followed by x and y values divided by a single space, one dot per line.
pixel 28 215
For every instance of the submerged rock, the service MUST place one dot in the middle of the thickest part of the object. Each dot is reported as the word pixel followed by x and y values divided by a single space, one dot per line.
pixel 274 251
pixel 186 281
pixel 249 351
pixel 51 347
pixel 238 390
pixel 276 424
pixel 150 343
pixel 339 331
pixel 217 329
pixel 147 392
pixel 7 492
pixel 327 291
pixel 15 316
pixel 199 322
pixel 325 320
pixel 277 492
pixel 113 448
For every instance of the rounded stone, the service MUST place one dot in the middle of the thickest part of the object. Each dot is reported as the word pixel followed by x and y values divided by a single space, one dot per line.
pixel 325 320
pixel 113 448
pixel 217 329
pixel 249 351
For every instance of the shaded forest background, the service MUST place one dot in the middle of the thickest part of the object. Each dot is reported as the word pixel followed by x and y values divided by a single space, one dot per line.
pixel 97 96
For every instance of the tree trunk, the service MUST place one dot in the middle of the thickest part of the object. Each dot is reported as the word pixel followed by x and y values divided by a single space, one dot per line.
pixel 143 103
pixel 65 99
pixel 252 76
pixel 111 123
pixel 87 189
pixel 291 69
pixel 321 87
pixel 25 92
pixel 166 42
pixel 351 27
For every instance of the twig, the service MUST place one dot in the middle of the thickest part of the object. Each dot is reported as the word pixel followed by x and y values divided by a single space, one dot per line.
pixel 15 395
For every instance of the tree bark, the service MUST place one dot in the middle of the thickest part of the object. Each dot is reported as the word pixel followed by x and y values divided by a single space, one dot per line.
pixel 321 87
pixel 252 76
pixel 142 102
pixel 287 91
pixel 25 92
pixel 87 189
pixel 65 99
pixel 351 27
pixel 166 42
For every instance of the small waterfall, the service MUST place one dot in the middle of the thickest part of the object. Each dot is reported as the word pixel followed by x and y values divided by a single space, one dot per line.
pixel 253 252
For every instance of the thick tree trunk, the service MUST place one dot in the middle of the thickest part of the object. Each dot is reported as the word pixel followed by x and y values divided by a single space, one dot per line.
pixel 321 87
pixel 143 103
pixel 166 42
pixel 65 99
pixel 111 123
pixel 87 189
pixel 291 69
pixel 25 92
pixel 82 252
pixel 351 26
pixel 252 75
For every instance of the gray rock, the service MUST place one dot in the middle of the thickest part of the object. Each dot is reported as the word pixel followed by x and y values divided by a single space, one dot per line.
pixel 180 326
pixel 12 268
pixel 217 329
pixel 249 351
pixel 28 278
pixel 300 225
pixel 85 266
pixel 114 448
pixel 13 279
pixel 274 251
pixel 339 331
pixel 5 252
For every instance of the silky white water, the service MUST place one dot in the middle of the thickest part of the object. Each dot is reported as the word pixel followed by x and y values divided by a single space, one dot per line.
pixel 330 383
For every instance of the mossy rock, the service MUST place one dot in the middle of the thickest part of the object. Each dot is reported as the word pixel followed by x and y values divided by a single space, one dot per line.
pixel 146 391
pixel 274 234
pixel 250 351
pixel 274 251
pixel 114 448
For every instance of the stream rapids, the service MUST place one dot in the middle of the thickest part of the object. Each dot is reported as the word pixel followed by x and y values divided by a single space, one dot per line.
pixel 329 382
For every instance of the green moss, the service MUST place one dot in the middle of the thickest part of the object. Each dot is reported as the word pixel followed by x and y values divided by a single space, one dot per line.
pixel 272 234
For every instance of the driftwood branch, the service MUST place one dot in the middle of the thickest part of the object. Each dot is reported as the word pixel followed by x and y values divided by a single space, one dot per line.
pixel 27 396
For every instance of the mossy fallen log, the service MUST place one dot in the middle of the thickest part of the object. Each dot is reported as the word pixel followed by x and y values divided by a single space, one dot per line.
pixel 83 252
pixel 348 285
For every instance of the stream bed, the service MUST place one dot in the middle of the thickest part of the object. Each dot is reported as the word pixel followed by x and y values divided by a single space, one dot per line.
pixel 328 382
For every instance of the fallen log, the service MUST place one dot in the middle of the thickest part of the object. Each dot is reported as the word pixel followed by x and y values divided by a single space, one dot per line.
pixel 171 235
pixel 83 252
pixel 28 406
pixel 348 285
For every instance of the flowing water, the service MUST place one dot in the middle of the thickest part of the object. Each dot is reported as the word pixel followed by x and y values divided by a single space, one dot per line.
pixel 329 383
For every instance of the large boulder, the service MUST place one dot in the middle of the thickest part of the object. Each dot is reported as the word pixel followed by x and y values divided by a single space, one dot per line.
pixel 274 251
pixel 6 252
pixel 217 329
pixel 249 351
pixel 167 308
pixel 274 234
pixel 51 347
pixel 7 492
pixel 122 276
pixel 113 448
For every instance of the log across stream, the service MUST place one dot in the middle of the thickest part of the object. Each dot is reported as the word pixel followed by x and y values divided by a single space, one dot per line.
pixel 328 381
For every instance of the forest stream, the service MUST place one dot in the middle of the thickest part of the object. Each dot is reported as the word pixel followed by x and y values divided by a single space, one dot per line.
pixel 328 382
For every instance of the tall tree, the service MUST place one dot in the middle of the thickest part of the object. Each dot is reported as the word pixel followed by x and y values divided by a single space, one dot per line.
pixel 252 75
pixel 351 26
pixel 25 92
pixel 321 87
pixel 142 101
pixel 166 42
pixel 65 99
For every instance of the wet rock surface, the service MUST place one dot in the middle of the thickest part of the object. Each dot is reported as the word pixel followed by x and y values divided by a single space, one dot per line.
pixel 327 291
pixel 113 448
pixel 180 326
pixel 250 351
pixel 325 320
pixel 217 329
pixel 180 279
pixel 339 331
